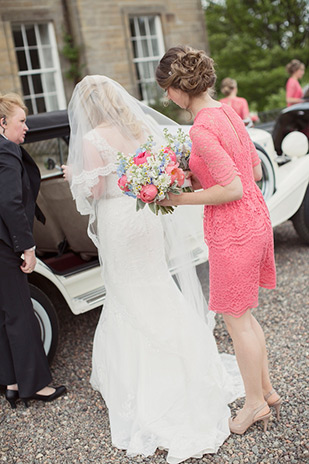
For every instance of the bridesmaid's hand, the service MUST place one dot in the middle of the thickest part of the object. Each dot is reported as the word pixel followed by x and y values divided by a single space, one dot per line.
pixel 194 180
pixel 173 200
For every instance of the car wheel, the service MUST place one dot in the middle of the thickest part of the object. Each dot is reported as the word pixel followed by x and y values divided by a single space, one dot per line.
pixel 301 219
pixel 267 183
pixel 48 320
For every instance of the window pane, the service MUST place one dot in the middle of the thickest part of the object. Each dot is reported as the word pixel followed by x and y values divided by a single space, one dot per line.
pixel 21 58
pixel 152 25
pixel 43 30
pixel 142 27
pixel 52 102
pixel 140 68
pixel 140 91
pixel 37 83
pixel 29 105
pixel 30 35
pixel 155 47
pixel 132 28
pixel 40 103
pixel 135 53
pixel 49 79
pixel 145 50
pixel 147 73
pixel 48 58
pixel 138 74
pixel 35 62
pixel 25 85
pixel 18 38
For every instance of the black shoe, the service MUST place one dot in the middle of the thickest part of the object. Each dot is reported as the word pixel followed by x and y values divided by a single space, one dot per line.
pixel 47 398
pixel 12 396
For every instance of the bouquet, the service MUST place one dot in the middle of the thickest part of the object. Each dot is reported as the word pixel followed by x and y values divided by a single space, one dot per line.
pixel 149 176
pixel 181 145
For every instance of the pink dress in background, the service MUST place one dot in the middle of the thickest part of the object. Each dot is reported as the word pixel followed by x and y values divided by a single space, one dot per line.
pixel 238 234
pixel 239 104
pixel 293 89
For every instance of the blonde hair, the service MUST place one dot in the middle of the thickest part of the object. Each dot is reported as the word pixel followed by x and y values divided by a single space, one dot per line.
pixel 8 103
pixel 103 103
pixel 227 86
pixel 187 69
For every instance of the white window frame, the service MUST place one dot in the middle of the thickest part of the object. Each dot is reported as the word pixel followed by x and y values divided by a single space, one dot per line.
pixel 144 83
pixel 44 69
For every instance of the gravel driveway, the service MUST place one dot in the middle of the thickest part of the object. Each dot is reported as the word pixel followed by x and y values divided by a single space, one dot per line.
pixel 75 428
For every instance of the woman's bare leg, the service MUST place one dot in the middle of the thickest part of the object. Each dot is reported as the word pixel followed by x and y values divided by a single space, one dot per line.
pixel 250 359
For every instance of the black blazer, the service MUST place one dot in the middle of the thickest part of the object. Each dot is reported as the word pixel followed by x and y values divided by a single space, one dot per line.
pixel 19 187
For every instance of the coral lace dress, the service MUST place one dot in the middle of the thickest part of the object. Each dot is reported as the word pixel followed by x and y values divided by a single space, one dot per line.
pixel 238 234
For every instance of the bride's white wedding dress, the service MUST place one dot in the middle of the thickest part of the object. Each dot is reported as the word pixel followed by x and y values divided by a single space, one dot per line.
pixel 155 361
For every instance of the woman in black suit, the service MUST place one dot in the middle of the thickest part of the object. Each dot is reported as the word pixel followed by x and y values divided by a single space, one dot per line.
pixel 23 364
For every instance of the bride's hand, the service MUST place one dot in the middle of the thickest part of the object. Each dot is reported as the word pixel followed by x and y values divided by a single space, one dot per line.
pixel 66 172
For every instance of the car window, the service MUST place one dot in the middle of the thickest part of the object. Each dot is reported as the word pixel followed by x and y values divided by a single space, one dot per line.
pixel 48 154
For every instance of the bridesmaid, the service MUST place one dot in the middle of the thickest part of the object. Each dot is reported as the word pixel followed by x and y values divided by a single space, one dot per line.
pixel 294 92
pixel 237 227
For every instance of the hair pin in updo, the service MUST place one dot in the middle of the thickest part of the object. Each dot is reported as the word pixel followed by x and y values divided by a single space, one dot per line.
pixel 170 73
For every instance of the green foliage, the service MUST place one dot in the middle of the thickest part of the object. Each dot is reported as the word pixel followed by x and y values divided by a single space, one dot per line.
pixel 253 40
pixel 72 54
pixel 171 110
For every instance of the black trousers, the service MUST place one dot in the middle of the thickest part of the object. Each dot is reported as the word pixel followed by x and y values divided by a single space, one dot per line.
pixel 22 356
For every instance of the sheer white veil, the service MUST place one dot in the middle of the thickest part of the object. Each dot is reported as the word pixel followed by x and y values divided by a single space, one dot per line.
pixel 100 104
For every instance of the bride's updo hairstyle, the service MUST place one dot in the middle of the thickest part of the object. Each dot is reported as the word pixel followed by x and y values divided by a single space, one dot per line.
pixel 187 69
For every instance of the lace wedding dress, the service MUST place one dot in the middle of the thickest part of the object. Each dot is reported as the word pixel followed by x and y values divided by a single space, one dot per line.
pixel 155 361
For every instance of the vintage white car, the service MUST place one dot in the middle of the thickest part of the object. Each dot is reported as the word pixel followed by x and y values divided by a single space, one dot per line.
pixel 67 271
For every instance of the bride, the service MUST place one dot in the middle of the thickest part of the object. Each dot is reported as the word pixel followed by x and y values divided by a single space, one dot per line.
pixel 155 360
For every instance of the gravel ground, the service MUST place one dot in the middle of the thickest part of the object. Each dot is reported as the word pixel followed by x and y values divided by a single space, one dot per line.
pixel 75 428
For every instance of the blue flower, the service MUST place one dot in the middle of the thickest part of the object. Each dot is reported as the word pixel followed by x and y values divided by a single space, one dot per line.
pixel 130 194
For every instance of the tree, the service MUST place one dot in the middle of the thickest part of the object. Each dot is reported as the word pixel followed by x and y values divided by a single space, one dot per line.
pixel 253 40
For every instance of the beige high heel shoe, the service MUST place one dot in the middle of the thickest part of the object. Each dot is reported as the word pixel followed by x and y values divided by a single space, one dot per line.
pixel 241 427
pixel 276 404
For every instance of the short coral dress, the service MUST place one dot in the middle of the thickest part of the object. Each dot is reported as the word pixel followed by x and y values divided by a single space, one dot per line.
pixel 238 234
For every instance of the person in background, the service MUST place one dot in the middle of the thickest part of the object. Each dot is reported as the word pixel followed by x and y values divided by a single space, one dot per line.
pixel 24 367
pixel 229 90
pixel 294 92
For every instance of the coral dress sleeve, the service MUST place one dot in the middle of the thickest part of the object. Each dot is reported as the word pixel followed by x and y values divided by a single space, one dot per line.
pixel 254 155
pixel 219 163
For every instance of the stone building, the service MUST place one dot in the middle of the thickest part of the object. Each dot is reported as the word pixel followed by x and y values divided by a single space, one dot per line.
pixel 46 46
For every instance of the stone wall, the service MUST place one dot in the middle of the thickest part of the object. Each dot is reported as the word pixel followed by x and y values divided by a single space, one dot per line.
pixel 101 29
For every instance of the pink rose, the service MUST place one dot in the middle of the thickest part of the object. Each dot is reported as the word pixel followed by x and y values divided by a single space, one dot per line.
pixel 175 173
pixel 180 177
pixel 171 154
pixel 122 183
pixel 148 193
pixel 141 158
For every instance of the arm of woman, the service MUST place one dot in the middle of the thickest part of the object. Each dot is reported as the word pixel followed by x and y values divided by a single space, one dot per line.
pixel 93 166
pixel 228 185
pixel 256 163
pixel 215 195
pixel 12 209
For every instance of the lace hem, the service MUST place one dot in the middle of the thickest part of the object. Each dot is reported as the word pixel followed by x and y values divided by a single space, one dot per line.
pixel 90 178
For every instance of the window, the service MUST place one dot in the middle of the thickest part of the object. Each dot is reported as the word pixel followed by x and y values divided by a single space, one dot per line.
pixel 39 68
pixel 148 48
